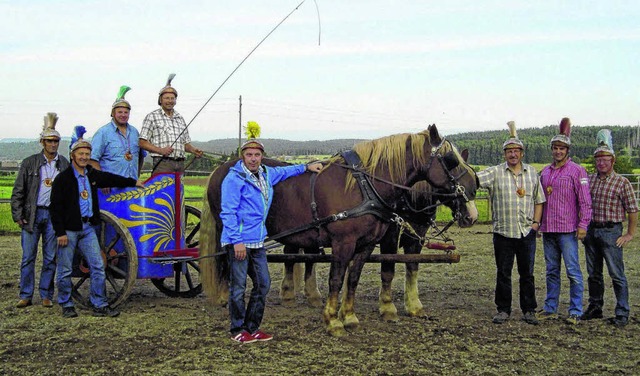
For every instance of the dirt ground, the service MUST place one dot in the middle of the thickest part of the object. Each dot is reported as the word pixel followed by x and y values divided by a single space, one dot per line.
pixel 159 335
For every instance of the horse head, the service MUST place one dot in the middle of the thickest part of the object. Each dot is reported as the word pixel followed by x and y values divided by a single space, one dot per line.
pixel 451 176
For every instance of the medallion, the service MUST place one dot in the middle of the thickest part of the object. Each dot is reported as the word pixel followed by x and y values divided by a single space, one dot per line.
pixel 549 190
pixel 520 192
pixel 128 156
pixel 84 194
pixel 47 182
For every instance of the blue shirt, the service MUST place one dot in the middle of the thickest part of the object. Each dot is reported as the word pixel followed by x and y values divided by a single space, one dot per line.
pixel 109 147
pixel 48 171
pixel 84 185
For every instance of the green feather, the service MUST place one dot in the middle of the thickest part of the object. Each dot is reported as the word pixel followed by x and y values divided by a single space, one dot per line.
pixel 123 90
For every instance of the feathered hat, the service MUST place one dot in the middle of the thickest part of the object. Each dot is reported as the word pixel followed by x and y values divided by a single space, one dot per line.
pixel 253 132
pixel 565 133
pixel 120 101
pixel 168 88
pixel 605 143
pixel 49 128
pixel 77 141
pixel 513 142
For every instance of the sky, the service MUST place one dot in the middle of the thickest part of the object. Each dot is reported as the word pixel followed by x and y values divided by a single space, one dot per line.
pixel 332 69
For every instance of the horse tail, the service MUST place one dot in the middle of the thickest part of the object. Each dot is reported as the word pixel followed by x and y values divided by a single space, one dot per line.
pixel 210 268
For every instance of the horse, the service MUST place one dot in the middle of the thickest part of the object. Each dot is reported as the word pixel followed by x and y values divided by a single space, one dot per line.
pixel 338 219
pixel 421 221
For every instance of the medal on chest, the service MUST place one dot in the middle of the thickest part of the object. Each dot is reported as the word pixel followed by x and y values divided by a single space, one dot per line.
pixel 520 192
pixel 47 182
pixel 84 194
pixel 128 156
pixel 549 190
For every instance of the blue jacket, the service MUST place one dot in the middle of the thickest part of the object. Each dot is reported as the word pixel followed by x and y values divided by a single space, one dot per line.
pixel 244 208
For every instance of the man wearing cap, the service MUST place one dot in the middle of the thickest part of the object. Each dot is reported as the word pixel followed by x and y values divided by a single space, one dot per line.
pixel 30 201
pixel 115 145
pixel 565 218
pixel 612 198
pixel 164 134
pixel 74 211
pixel 516 207
pixel 247 192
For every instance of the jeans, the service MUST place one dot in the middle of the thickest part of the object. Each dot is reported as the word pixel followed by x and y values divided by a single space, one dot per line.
pixel 86 242
pixel 565 245
pixel 600 244
pixel 524 251
pixel 41 228
pixel 255 266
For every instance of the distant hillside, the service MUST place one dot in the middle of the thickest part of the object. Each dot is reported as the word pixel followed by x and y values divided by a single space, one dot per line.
pixel 485 148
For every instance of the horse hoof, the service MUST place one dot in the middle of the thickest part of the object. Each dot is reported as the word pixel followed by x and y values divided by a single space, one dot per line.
pixel 316 302
pixel 351 322
pixel 390 316
pixel 421 313
pixel 336 329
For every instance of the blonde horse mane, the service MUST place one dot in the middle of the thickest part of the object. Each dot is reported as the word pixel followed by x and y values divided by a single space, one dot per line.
pixel 390 153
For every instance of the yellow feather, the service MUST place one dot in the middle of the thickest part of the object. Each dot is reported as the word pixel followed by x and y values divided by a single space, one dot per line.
pixel 252 130
pixel 512 129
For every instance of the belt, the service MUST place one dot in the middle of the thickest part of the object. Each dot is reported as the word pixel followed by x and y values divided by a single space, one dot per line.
pixel 604 224
pixel 171 159
pixel 42 207
pixel 85 219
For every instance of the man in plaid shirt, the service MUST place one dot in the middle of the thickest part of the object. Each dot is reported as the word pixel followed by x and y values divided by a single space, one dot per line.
pixel 612 198
pixel 516 207
pixel 164 134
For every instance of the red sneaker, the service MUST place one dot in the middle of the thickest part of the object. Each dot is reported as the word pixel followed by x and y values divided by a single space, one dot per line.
pixel 259 335
pixel 243 337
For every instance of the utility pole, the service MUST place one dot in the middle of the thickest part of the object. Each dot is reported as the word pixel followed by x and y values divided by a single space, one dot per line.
pixel 239 125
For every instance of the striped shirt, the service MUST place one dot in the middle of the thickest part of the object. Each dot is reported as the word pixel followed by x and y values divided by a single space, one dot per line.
pixel 612 197
pixel 568 204
pixel 512 215
pixel 163 131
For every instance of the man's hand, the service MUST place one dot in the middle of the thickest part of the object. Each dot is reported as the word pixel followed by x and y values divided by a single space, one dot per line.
pixel 314 167
pixel 140 183
pixel 624 239
pixel 581 234
pixel 63 241
pixel 166 151
pixel 21 222
pixel 240 251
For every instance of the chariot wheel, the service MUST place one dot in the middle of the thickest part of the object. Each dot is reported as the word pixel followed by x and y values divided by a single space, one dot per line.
pixel 186 274
pixel 120 258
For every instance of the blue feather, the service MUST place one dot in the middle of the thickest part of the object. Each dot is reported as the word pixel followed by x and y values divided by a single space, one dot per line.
pixel 78 132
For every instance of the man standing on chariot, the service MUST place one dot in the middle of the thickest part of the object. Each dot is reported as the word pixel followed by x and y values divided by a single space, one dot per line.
pixel 30 210
pixel 164 133
pixel 247 192
pixel 516 207
pixel 115 145
pixel 74 211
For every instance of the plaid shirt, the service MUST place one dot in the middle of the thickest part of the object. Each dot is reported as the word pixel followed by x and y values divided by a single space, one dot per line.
pixel 612 197
pixel 162 131
pixel 512 215
pixel 568 205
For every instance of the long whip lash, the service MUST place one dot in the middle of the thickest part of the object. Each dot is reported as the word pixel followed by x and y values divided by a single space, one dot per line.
pixel 238 67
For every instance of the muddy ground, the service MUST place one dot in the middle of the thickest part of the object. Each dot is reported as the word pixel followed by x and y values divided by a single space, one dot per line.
pixel 159 335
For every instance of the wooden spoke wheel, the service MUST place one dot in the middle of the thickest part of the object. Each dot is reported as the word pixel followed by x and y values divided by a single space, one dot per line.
pixel 186 274
pixel 120 259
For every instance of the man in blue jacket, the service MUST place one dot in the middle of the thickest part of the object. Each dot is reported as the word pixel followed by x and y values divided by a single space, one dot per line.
pixel 247 192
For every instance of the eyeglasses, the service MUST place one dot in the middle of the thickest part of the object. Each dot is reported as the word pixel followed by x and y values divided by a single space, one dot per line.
pixel 52 141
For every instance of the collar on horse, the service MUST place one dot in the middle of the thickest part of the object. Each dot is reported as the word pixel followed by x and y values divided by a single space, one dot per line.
pixel 371 203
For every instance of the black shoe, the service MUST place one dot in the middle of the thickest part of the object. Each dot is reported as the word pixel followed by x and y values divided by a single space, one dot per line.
pixel 620 321
pixel 105 311
pixel 592 313
pixel 68 312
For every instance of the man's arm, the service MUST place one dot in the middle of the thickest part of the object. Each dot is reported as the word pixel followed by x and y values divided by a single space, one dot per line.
pixel 193 150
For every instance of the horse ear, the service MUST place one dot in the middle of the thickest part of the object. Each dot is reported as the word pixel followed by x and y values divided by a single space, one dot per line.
pixel 465 155
pixel 434 136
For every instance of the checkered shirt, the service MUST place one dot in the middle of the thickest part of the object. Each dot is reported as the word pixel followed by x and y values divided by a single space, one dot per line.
pixel 612 197
pixel 512 215
pixel 162 131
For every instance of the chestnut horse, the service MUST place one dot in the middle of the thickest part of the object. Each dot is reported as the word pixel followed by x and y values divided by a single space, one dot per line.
pixel 391 164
